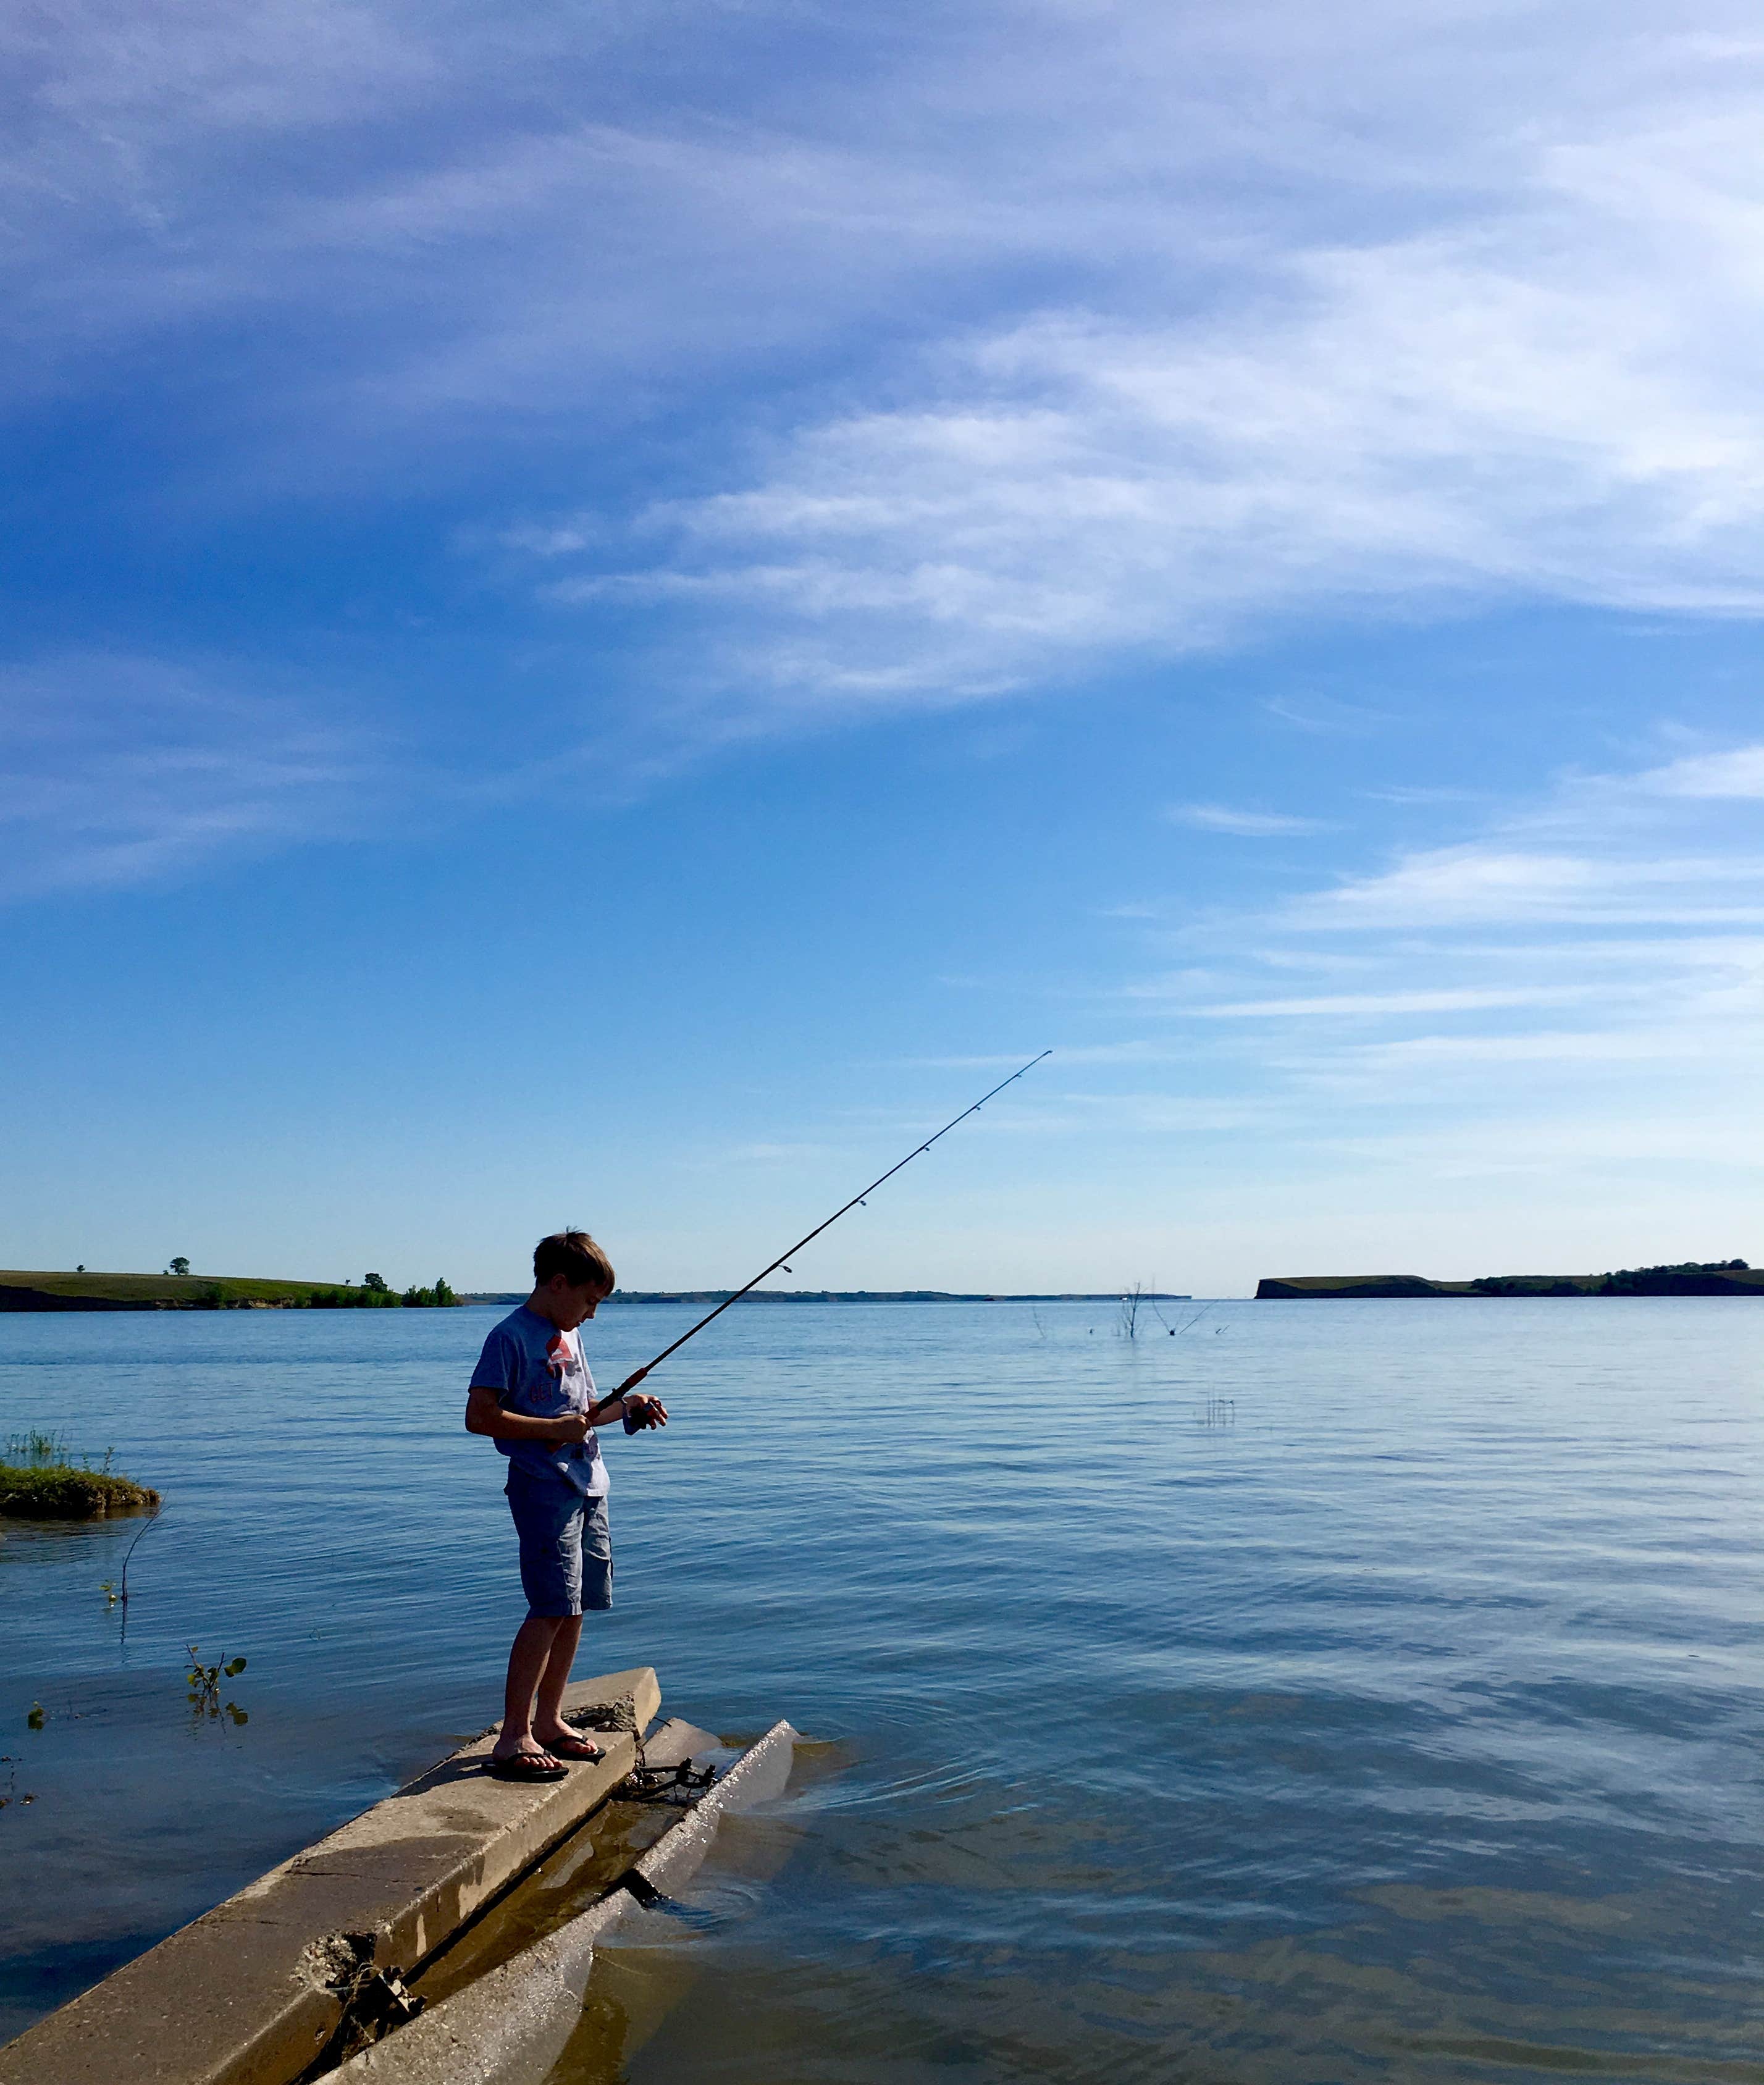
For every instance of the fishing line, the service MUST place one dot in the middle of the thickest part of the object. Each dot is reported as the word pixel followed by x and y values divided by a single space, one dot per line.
pixel 918 1151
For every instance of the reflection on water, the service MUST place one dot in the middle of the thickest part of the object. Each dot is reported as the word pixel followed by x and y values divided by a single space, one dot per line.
pixel 1405 1726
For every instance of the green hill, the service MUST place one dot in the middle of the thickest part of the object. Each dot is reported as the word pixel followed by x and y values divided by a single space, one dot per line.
pixel 26 1289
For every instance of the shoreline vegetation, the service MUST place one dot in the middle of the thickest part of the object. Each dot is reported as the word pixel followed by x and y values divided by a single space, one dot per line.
pixel 40 1481
pixel 707 1296
pixel 1688 1277
pixel 26 1290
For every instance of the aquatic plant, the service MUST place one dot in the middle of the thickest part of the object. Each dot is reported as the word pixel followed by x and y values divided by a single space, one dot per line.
pixel 130 1556
pixel 204 1682
pixel 35 1449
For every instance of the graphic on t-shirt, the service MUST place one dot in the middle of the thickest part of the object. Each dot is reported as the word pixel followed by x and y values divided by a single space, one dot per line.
pixel 538 1371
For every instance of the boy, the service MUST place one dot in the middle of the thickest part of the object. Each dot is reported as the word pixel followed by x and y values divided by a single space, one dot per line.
pixel 531 1394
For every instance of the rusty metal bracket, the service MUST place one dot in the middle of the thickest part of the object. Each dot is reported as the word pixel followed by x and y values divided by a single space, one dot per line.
pixel 681 1784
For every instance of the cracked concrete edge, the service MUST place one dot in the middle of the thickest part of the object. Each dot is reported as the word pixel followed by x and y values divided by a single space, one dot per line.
pixel 509 2027
pixel 245 1994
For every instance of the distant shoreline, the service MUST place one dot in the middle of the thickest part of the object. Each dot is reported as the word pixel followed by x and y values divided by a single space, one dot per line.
pixel 1690 1278
pixel 22 1290
pixel 710 1296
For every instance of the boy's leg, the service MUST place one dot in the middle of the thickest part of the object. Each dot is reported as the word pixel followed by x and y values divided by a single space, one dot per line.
pixel 528 1659
pixel 591 1584
pixel 548 1519
pixel 548 1721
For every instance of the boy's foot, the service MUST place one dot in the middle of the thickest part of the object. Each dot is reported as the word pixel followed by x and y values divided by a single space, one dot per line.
pixel 572 1745
pixel 526 1766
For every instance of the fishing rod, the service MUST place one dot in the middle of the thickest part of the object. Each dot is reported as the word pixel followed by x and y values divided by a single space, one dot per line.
pixel 789 1252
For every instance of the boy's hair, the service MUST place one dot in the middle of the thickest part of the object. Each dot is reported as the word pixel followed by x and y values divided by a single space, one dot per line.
pixel 574 1255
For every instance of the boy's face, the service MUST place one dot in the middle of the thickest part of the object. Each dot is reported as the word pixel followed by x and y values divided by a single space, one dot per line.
pixel 568 1306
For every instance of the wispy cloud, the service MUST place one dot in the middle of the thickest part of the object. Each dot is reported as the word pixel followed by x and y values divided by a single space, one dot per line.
pixel 1578 987
pixel 1380 1005
pixel 1478 884
pixel 127 770
pixel 994 403
pixel 1735 775
pixel 1249 824
pixel 1135 1052
pixel 762 393
pixel 1535 405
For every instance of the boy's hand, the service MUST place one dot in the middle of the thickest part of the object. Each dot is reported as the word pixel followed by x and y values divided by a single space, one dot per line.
pixel 573 1427
pixel 642 1413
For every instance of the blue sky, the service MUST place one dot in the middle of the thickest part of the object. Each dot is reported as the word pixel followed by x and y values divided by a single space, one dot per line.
pixel 606 609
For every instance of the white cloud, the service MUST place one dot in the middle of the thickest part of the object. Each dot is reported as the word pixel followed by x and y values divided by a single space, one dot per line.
pixel 1737 774
pixel 1573 995
pixel 1495 883
pixel 1250 824
pixel 1679 1043
pixel 1033 340
pixel 1541 403
pixel 1607 851
pixel 1376 1005
pixel 984 346
pixel 127 770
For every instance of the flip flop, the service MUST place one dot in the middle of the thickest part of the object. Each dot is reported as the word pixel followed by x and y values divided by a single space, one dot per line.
pixel 526 1766
pixel 570 1746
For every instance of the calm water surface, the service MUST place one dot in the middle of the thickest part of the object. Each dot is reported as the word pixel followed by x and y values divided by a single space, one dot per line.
pixel 1334 1691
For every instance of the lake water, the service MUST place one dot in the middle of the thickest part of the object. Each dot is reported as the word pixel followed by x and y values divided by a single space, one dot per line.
pixel 1334 1691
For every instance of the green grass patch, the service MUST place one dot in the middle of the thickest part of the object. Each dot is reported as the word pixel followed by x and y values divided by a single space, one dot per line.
pixel 64 1491
pixel 216 1292
pixel 38 1481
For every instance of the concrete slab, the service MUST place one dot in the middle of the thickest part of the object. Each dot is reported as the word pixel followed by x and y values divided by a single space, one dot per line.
pixel 251 1993
pixel 508 2027
pixel 676 1741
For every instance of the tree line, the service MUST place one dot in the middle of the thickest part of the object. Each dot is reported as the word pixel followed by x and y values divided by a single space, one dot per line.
pixel 374 1293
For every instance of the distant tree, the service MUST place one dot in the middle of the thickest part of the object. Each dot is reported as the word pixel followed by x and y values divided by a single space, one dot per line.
pixel 376 1282
pixel 181 1265
pixel 81 1268
pixel 443 1294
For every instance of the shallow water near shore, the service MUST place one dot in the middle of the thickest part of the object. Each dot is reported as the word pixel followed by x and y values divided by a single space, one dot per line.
pixel 1333 1692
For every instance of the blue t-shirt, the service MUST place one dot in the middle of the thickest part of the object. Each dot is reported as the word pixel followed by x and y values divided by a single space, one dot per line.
pixel 540 1372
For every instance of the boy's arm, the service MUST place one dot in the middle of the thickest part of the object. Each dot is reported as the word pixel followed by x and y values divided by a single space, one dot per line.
pixel 484 1415
pixel 638 1413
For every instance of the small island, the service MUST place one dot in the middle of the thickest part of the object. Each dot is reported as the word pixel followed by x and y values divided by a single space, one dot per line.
pixel 40 1481
pixel 1688 1277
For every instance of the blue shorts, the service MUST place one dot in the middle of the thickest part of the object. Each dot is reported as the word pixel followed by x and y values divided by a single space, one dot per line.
pixel 566 1544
